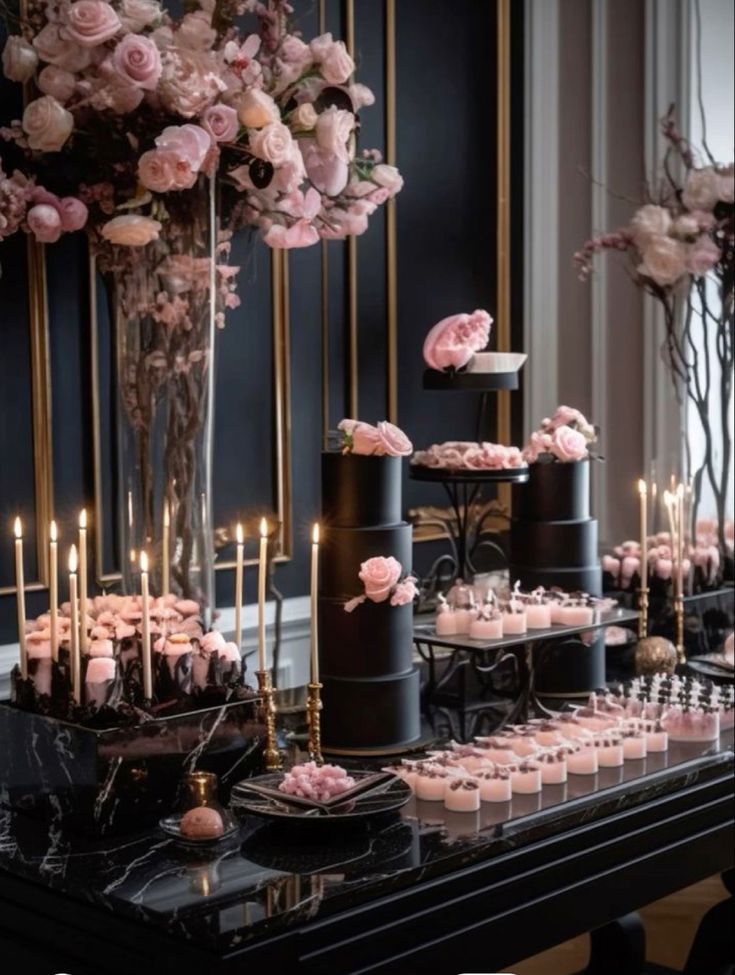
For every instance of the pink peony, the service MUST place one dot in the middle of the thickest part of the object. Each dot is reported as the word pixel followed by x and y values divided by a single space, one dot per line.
pixel 196 32
pixel 701 190
pixel 453 340
pixel 131 230
pixel 392 440
pixel 272 143
pixel 703 255
pixel 137 62
pixel 221 122
pixel 405 592
pixel 664 261
pixel 47 124
pixel 19 59
pixel 45 223
pixel 333 130
pixel 648 222
pixel 189 82
pixel 73 213
pixel 91 22
pixel 568 444
pixel 57 82
pixel 257 109
pixel 379 575
pixel 189 142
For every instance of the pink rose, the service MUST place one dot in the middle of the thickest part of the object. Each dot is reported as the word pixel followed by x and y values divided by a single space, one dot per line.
pixel 648 222
pixel 701 190
pixel 360 438
pixel 379 575
pixel 189 81
pixel 257 109
pixel 664 568
pixel 272 143
pixel 568 444
pixel 333 129
pixel 19 59
pixel 47 124
pixel 294 50
pixel 303 118
pixel 664 260
pixel 57 49
pixel 629 566
pixel 328 173
pixel 538 443
pixel 726 184
pixel 686 226
pixel 182 153
pixel 611 564
pixel 57 82
pixel 220 121
pixel 45 223
pixel 453 340
pixel 73 213
pixel 138 14
pixel 212 641
pixel 157 170
pixel 405 592
pixel 91 22
pixel 196 31
pixel 703 255
pixel 131 230
pixel 388 177
pixel 300 234
pixel 333 59
pixel 137 62
pixel 393 441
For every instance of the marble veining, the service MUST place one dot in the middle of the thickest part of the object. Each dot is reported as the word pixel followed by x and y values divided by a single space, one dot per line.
pixel 264 879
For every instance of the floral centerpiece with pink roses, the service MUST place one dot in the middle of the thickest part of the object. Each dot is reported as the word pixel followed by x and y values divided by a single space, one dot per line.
pixel 162 136
pixel 565 436
pixel 384 581
pixel 681 247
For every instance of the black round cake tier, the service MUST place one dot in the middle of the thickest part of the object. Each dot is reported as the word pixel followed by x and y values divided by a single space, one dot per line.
pixel 538 543
pixel 514 475
pixel 374 640
pixel 371 714
pixel 471 382
pixel 360 490
pixel 554 492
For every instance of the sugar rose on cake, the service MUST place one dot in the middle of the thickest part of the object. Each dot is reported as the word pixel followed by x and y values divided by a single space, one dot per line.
pixel 565 436
pixel 382 439
pixel 451 343
pixel 383 580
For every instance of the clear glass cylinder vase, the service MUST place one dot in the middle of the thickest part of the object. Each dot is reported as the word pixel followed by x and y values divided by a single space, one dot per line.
pixel 163 296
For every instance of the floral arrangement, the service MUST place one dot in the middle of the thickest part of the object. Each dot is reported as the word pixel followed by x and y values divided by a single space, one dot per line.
pixel 453 341
pixel 383 439
pixel 681 245
pixel 131 107
pixel 565 437
pixel 383 580
pixel 454 455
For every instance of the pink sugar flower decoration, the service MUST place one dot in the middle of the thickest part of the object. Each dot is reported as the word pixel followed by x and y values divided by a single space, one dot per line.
pixel 452 342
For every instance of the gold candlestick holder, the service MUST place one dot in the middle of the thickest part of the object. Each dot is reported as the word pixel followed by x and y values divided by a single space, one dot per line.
pixel 643 613
pixel 272 756
pixel 313 708
pixel 679 614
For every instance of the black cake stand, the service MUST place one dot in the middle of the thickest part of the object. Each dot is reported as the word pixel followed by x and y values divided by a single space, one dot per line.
pixel 471 382
pixel 462 487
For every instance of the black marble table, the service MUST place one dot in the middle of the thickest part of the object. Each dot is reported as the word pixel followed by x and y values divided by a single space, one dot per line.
pixel 426 891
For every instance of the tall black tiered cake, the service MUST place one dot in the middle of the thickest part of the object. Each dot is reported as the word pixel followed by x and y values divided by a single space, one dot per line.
pixel 371 687
pixel 553 540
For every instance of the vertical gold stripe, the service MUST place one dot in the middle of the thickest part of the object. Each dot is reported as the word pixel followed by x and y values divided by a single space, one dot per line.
pixel 41 392
pixel 390 215
pixel 352 344
pixel 282 371
pixel 503 218
pixel 325 293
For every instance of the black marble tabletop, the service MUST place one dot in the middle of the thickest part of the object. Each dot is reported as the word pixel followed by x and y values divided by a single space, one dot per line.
pixel 264 880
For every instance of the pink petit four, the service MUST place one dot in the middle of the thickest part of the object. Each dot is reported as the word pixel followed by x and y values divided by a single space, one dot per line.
pixel 462 795
pixel 584 760
pixel 446 620
pixel 431 783
pixel 538 611
pixel 609 750
pixel 657 738
pixel 634 745
pixel 494 785
pixel 498 749
pixel 525 778
pixel 524 742
pixel 694 724
pixel 488 625
pixel 576 613
pixel 546 732
pixel 318 782
pixel 553 766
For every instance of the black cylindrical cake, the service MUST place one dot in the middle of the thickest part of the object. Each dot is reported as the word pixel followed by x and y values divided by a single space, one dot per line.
pixel 371 686
pixel 553 542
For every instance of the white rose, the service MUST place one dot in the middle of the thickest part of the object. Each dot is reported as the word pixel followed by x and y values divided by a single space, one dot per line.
pixel 304 117
pixel 387 176
pixel 702 190
pixel 138 14
pixel 650 221
pixel 333 129
pixel 686 226
pixel 132 230
pixel 19 59
pixel 272 143
pixel 257 109
pixel 47 124
pixel 664 260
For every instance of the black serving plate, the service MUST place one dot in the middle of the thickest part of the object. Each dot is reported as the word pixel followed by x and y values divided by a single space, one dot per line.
pixel 515 475
pixel 247 799
pixel 171 826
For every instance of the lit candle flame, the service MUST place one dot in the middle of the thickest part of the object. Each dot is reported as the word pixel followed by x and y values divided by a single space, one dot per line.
pixel 239 533
pixel 315 534
pixel 642 486
pixel 18 528
pixel 83 518
pixel 73 559
pixel 263 528
pixel 143 562
pixel 133 556
pixel 53 532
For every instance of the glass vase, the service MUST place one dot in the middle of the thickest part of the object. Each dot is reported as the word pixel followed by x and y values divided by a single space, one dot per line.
pixel 163 302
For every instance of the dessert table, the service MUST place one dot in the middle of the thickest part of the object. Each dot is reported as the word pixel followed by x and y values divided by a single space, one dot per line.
pixel 426 891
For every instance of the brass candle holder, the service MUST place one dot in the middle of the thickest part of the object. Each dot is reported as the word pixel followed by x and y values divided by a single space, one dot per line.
pixel 679 614
pixel 272 756
pixel 313 707
pixel 643 613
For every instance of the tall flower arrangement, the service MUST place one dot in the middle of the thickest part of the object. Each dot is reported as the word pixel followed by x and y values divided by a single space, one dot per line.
pixel 681 245
pixel 136 124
